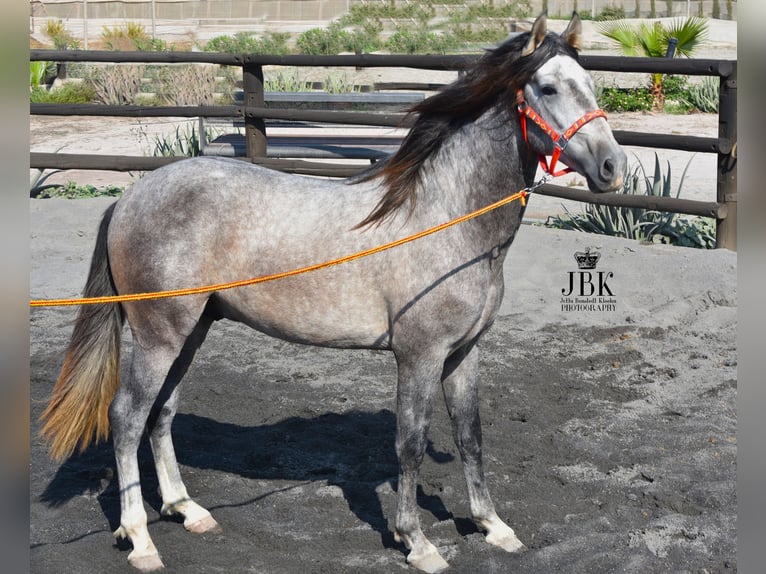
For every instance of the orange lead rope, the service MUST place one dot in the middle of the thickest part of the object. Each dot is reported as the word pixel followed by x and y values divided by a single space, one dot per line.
pixel 519 195
pixel 560 141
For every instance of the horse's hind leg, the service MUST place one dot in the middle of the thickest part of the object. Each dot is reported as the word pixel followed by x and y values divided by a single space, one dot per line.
pixel 157 345
pixel 418 380
pixel 460 384
pixel 128 415
pixel 175 499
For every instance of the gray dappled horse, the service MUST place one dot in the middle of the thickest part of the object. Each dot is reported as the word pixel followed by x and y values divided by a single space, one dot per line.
pixel 206 221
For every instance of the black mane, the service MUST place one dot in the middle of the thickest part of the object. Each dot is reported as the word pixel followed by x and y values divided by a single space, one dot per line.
pixel 493 81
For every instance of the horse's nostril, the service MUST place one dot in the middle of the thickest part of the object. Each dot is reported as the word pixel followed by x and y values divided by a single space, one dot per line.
pixel 607 169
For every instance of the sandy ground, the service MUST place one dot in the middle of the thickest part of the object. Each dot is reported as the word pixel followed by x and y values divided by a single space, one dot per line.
pixel 609 436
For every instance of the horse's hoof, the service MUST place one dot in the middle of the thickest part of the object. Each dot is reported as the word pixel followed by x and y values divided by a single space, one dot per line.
pixel 508 542
pixel 203 525
pixel 501 535
pixel 432 562
pixel 150 563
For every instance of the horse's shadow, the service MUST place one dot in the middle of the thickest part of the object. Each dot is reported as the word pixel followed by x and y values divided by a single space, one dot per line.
pixel 353 451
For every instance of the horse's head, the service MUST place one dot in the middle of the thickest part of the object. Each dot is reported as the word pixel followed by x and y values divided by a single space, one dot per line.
pixel 561 94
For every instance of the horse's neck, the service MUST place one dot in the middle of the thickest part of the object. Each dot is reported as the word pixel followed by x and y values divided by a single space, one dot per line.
pixel 481 163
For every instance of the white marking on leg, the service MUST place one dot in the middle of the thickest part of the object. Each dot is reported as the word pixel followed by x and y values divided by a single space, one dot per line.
pixel 133 526
pixel 501 535
pixel 423 554
pixel 196 518
pixel 175 498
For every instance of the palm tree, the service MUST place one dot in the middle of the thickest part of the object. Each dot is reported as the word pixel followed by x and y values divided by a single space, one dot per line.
pixel 652 40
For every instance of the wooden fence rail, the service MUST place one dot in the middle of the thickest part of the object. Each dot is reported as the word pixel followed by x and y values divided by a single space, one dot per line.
pixel 254 113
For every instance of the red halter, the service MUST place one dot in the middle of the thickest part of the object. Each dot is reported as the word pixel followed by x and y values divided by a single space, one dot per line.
pixel 560 141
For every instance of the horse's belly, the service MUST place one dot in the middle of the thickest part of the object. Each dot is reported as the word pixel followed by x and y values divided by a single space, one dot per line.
pixel 327 318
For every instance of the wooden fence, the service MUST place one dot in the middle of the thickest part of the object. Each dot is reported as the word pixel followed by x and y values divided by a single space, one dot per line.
pixel 254 113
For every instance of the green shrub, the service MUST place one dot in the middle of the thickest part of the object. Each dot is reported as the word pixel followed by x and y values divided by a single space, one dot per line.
pixel 412 41
pixel 612 13
pixel 152 45
pixel 675 86
pixel 463 35
pixel 336 39
pixel 613 99
pixel 366 38
pixel 67 93
pixel 273 43
pixel 674 90
pixel 325 41
pixel 239 43
pixel 359 13
pixel 501 11
pixel 674 107
pixel 71 190
pixel 466 25
pixel 682 96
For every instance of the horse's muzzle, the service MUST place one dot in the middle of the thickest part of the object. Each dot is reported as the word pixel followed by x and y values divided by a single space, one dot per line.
pixel 611 172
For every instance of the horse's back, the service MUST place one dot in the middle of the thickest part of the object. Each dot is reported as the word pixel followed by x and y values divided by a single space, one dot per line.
pixel 214 203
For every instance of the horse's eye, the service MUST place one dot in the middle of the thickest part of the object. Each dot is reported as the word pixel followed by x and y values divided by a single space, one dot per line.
pixel 548 91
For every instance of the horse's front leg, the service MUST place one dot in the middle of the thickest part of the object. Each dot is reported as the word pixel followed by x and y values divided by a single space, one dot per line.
pixel 460 384
pixel 418 380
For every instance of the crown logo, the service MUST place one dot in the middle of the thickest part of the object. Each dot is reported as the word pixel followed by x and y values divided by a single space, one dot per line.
pixel 587 259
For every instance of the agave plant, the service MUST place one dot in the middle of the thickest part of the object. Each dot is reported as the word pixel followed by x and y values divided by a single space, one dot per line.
pixel 183 143
pixel 652 40
pixel 630 222
pixel 703 96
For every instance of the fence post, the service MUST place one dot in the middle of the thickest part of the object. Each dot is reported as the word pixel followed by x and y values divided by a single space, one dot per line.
pixel 726 185
pixel 671 51
pixel 255 128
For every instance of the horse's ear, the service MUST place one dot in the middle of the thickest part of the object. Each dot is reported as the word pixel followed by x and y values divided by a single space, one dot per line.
pixel 573 33
pixel 537 35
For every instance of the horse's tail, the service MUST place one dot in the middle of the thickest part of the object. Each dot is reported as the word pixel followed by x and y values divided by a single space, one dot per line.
pixel 78 411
